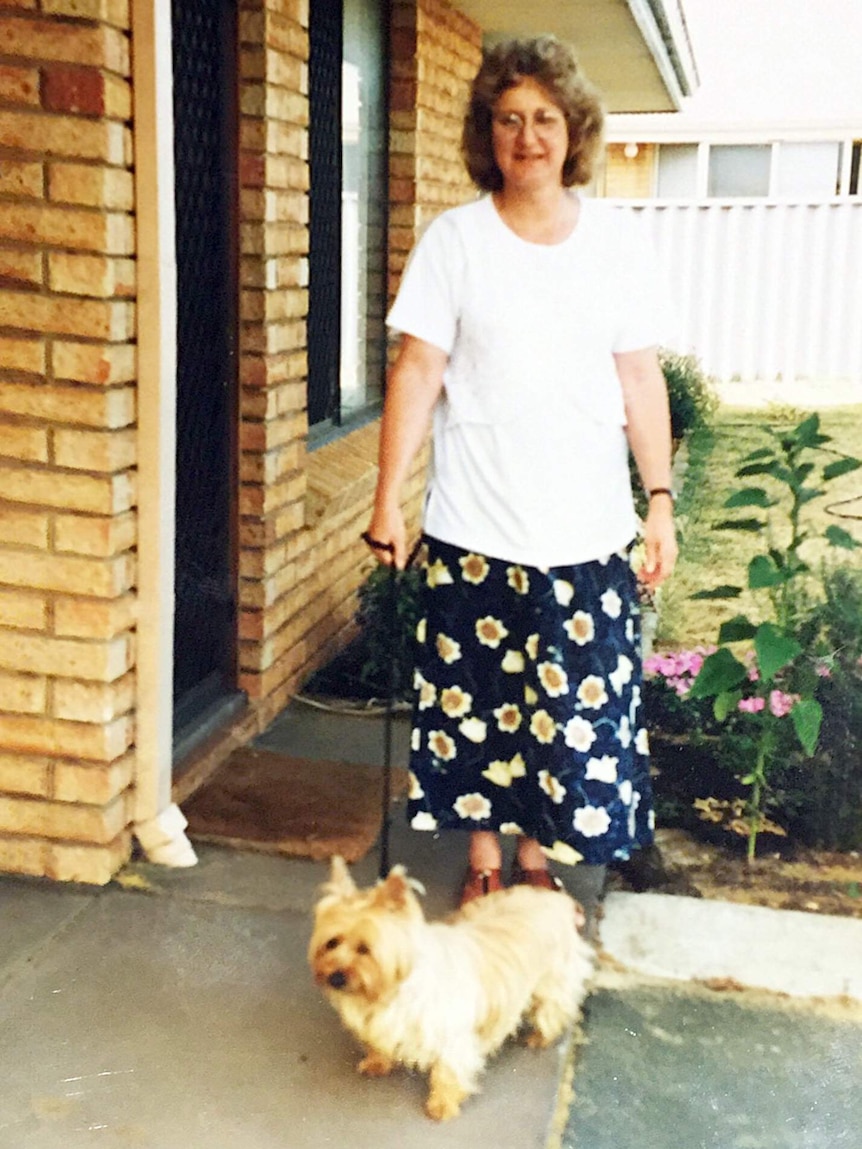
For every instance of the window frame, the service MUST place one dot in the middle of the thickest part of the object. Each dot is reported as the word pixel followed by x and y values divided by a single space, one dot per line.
pixel 329 416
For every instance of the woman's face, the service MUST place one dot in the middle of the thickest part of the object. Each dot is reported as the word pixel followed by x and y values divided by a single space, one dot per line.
pixel 530 136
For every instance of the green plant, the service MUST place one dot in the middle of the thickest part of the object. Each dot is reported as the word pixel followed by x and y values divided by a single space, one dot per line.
pixel 825 792
pixel 693 402
pixel 388 615
pixel 668 705
pixel 700 758
pixel 777 681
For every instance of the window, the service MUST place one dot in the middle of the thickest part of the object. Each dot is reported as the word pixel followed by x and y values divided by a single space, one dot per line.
pixel 348 199
pixel 677 171
pixel 808 169
pixel 856 153
pixel 739 169
pixel 365 195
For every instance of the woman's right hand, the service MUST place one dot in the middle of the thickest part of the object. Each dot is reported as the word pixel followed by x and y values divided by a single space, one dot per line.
pixel 387 527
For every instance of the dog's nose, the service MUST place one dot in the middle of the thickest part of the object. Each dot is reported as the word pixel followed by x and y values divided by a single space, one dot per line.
pixel 337 980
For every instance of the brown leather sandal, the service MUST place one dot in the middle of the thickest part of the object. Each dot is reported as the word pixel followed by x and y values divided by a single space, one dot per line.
pixel 477 883
pixel 542 878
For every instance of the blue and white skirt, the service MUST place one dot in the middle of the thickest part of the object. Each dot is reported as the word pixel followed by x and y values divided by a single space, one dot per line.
pixel 528 685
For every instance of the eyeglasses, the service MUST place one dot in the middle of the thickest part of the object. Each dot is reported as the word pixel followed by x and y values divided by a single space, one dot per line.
pixel 544 123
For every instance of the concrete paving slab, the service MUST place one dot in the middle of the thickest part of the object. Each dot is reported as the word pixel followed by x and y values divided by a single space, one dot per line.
pixel 675 1068
pixel 186 1015
pixel 276 882
pixel 785 951
pixel 32 912
pixel 166 1023
pixel 337 732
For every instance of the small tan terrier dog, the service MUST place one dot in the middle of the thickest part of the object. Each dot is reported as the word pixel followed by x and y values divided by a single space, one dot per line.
pixel 441 997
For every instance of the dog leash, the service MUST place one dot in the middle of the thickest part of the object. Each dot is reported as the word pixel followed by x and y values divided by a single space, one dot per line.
pixel 392 622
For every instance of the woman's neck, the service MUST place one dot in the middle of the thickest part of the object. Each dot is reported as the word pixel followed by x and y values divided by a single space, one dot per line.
pixel 539 215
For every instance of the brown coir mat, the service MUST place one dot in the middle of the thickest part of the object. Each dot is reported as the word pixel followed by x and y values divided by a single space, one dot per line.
pixel 260 800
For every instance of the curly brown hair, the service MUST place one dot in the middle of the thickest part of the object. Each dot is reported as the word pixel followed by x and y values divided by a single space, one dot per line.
pixel 550 63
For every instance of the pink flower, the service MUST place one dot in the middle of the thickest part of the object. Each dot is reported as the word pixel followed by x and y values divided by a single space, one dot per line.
pixel 751 705
pixel 781 703
pixel 681 685
pixel 821 669
pixel 678 668
pixel 691 662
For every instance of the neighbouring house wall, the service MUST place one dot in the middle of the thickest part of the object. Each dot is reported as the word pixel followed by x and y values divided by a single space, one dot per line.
pixel 629 176
pixel 67 439
pixel 68 435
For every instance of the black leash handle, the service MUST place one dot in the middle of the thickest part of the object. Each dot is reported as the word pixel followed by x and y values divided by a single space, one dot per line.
pixel 376 544
pixel 389 548
pixel 392 622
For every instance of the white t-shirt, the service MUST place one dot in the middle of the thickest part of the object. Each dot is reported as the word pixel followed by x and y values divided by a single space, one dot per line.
pixel 530 458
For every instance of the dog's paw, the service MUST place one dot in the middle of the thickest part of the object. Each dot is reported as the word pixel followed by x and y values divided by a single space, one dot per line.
pixel 374 1064
pixel 446 1094
pixel 443 1106
pixel 536 1040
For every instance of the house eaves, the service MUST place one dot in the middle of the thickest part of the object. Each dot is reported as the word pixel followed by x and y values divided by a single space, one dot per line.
pixel 637 52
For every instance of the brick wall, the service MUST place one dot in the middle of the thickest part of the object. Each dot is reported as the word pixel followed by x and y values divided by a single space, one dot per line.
pixel 301 512
pixel 302 560
pixel 436 51
pixel 67 439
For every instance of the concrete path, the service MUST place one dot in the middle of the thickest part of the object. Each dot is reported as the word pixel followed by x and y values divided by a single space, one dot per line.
pixel 174 1010
pixel 680 1067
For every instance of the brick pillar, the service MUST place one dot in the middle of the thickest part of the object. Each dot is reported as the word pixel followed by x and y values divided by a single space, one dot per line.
pixel 436 51
pixel 67 440
pixel 273 366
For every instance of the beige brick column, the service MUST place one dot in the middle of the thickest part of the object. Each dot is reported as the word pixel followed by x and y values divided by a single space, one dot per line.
pixel 436 51
pixel 67 440
pixel 274 182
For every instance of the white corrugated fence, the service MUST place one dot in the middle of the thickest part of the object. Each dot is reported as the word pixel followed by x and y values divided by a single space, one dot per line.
pixel 764 289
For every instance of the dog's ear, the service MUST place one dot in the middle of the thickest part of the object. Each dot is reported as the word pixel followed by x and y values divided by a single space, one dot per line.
pixel 340 881
pixel 395 893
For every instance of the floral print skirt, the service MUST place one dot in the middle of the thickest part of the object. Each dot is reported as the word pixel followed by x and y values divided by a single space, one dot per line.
pixel 528 685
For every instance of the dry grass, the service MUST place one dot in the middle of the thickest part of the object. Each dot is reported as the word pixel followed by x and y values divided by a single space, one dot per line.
pixel 711 557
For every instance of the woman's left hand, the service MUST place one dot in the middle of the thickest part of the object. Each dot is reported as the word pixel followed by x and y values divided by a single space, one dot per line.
pixel 660 543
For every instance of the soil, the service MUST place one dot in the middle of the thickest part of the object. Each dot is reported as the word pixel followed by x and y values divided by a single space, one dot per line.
pixel 813 881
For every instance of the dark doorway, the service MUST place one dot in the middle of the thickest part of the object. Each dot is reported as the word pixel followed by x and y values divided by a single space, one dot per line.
pixel 205 156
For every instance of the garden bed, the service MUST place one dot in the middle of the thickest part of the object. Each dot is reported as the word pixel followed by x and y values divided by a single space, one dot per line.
pixel 706 739
pixel 813 881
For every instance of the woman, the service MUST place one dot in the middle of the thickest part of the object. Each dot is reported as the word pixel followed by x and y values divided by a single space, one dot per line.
pixel 530 336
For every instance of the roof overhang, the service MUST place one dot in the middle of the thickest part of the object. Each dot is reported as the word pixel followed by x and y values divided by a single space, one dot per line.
pixel 636 52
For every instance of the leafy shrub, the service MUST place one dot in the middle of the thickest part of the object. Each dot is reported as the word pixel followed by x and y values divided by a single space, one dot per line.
pixel 693 402
pixel 692 406
pixel 388 616
pixel 824 793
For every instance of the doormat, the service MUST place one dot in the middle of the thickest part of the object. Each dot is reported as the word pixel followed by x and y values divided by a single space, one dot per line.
pixel 278 804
